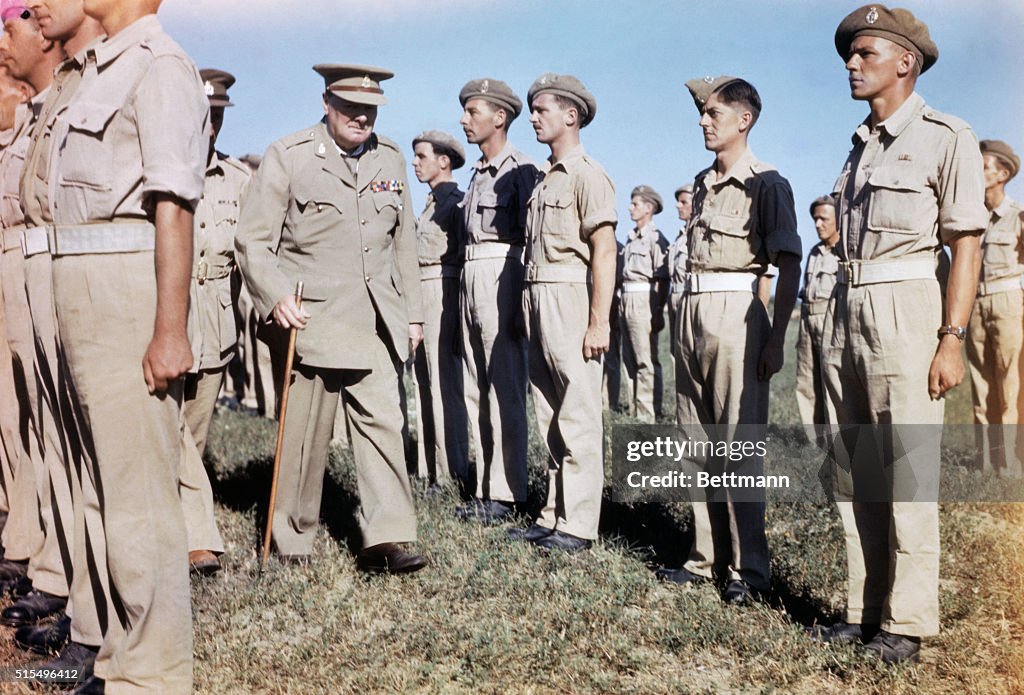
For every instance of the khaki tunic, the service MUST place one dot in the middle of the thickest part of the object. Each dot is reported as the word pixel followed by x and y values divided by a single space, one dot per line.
pixel 135 127
pixel 678 259
pixel 909 185
pixel 573 198
pixel 441 422
pixel 741 222
pixel 994 341
pixel 645 262
pixel 819 281
pixel 345 229
pixel 494 349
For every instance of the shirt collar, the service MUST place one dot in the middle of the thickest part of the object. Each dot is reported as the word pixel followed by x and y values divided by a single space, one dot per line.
pixel 894 124
pixel 1003 209
pixel 742 170
pixel 572 155
pixel 444 190
pixel 646 230
pixel 113 46
pixel 497 161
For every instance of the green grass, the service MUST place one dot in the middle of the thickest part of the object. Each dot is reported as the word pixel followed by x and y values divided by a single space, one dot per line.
pixel 492 616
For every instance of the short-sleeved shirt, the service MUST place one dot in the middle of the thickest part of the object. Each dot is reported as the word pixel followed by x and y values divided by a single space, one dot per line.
pixel 820 274
pixel 496 200
pixel 12 160
pixel 1002 246
pixel 573 197
pixel 441 228
pixel 743 220
pixel 136 126
pixel 910 184
pixel 645 255
pixel 678 256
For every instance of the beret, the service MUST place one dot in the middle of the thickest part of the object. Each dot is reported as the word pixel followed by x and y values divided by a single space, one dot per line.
pixel 701 88
pixel 685 188
pixel 494 91
pixel 216 84
pixel 359 84
pixel 897 25
pixel 1002 151
pixel 569 87
pixel 648 194
pixel 439 138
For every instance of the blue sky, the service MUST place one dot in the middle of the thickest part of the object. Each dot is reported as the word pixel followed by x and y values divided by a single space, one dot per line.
pixel 634 56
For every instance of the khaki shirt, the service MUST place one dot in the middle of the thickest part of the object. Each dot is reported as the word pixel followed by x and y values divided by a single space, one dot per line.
pixel 678 257
pixel 441 229
pixel 12 161
pixel 909 185
pixel 743 220
pixel 645 255
pixel 137 125
pixel 213 291
pixel 574 196
pixel 497 198
pixel 1002 247
pixel 349 237
pixel 820 273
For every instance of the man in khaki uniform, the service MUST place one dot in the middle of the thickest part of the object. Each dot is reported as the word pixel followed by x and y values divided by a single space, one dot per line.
pixel 644 291
pixel 727 349
pixel 74 497
pixel 678 255
pixel 570 277
pixel 492 287
pixel 329 207
pixel 994 336
pixel 30 57
pixel 819 281
pixel 912 182
pixel 443 448
pixel 128 170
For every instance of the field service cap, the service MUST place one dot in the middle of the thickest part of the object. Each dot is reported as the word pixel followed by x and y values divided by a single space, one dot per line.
pixel 701 88
pixel 359 84
pixel 495 92
pixel 648 194
pixel 569 87
pixel 897 25
pixel 216 84
pixel 1003 152
pixel 444 141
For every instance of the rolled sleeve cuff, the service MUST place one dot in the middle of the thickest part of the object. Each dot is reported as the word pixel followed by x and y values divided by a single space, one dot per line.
pixel 597 219
pixel 179 182
pixel 960 218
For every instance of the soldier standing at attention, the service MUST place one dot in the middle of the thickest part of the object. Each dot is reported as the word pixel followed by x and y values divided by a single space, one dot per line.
pixel 441 242
pixel 677 258
pixel 743 219
pixel 570 277
pixel 819 281
pixel 911 183
pixel 492 290
pixel 994 336
pixel 644 290
pixel 130 156
pixel 329 206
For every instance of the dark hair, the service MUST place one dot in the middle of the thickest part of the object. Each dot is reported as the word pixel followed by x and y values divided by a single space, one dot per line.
pixel 743 93
pixel 823 200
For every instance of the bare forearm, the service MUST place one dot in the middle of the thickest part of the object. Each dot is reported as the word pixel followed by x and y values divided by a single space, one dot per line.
pixel 602 269
pixel 963 279
pixel 173 265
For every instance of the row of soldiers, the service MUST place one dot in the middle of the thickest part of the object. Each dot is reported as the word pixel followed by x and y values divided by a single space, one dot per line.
pixel 511 283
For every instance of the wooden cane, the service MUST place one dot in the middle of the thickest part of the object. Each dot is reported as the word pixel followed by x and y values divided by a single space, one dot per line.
pixel 286 383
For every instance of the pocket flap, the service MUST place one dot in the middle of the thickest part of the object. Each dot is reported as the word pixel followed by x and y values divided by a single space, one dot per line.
pixel 729 225
pixel 895 178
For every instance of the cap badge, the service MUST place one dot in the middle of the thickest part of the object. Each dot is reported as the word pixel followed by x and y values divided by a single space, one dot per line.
pixel 366 81
pixel 485 86
pixel 872 16
pixel 208 88
pixel 709 79
pixel 544 79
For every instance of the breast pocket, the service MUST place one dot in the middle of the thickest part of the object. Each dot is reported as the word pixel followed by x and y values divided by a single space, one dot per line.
pixel 387 204
pixel 86 160
pixel 496 213
pixel 732 245
pixel 637 261
pixel 1000 248
pixel 560 224
pixel 899 202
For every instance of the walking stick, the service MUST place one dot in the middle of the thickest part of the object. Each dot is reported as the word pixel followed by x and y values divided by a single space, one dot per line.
pixel 286 383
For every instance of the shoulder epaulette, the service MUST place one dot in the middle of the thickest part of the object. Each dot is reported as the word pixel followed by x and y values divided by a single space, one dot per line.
pixel 952 122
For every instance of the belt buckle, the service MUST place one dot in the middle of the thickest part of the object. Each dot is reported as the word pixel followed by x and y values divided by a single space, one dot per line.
pixel 692 282
pixel 24 243
pixel 202 270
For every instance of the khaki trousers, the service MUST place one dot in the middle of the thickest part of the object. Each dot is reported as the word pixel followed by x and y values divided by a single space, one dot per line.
pixel 256 381
pixel 567 397
pixel 105 311
pixel 495 383
pixel 640 355
pixel 441 422
pixel 201 391
pixel 892 547
pixel 719 340
pixel 994 339
pixel 810 388
pixel 371 402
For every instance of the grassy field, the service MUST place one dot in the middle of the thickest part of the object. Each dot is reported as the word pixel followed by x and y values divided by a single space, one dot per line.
pixel 492 616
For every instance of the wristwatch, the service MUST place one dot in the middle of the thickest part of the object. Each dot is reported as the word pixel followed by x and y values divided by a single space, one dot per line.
pixel 959 331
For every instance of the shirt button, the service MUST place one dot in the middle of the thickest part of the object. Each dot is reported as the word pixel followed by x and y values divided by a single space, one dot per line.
pixel 366 277
pixel 366 248
pixel 362 221
pixel 202 225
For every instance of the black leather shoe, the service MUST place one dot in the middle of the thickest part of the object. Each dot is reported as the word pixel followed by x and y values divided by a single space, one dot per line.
pixel 560 540
pixel 389 558
pixel 92 686
pixel 532 534
pixel 44 639
pixel 894 649
pixel 16 588
pixel 491 512
pixel 678 576
pixel 32 608
pixel 76 658
pixel 842 633
pixel 739 593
